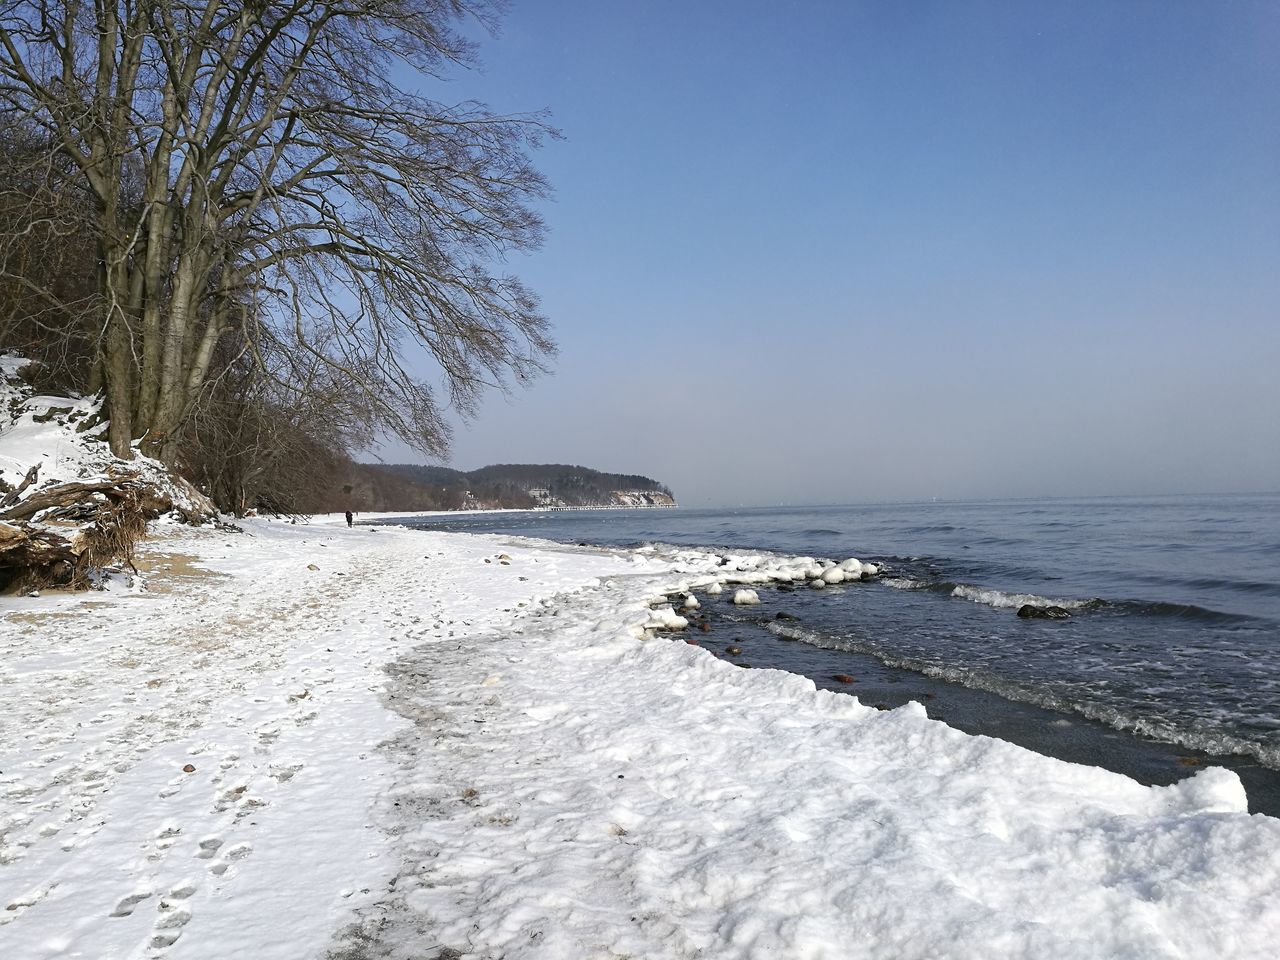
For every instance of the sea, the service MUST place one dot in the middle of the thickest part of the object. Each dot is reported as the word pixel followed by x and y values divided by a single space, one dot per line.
pixel 1169 661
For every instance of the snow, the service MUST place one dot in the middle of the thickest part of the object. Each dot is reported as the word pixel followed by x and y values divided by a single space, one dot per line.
pixel 665 618
pixel 410 752
pixel 38 429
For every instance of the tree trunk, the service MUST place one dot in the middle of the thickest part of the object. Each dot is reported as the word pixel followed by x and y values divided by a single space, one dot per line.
pixel 119 381
pixel 117 351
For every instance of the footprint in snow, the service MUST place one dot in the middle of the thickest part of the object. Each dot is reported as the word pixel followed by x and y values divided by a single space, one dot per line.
pixel 126 906
pixel 213 845
pixel 18 905
pixel 208 848
pixel 167 836
pixel 285 771
pixel 81 835
pixel 173 917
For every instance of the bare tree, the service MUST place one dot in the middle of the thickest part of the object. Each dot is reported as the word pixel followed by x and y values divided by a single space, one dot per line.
pixel 48 292
pixel 259 174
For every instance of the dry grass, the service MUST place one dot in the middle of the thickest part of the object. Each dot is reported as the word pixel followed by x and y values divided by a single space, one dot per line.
pixel 111 538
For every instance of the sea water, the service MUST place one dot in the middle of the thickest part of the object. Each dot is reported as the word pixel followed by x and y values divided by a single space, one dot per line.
pixel 1171 656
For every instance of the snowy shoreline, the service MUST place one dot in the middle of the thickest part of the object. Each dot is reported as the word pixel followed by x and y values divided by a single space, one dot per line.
pixel 404 744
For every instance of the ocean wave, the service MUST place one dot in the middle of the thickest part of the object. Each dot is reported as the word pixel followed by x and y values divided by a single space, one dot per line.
pixel 1181 611
pixel 1002 600
pixel 1009 600
pixel 1202 737
pixel 1267 588
pixel 903 583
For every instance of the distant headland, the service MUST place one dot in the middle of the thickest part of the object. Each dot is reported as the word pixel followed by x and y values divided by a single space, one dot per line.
pixel 531 486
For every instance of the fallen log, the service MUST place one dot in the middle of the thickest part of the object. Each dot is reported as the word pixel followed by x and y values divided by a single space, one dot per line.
pixel 111 516
pixel 12 496
pixel 62 495
pixel 32 557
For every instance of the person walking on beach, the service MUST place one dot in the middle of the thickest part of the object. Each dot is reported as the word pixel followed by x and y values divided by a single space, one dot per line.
pixel 349 518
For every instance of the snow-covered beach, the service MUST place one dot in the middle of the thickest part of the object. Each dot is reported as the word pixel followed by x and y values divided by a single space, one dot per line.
pixel 309 741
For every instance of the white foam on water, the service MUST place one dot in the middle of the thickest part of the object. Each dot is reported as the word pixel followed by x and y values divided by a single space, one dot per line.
pixel 902 583
pixel 1206 736
pixel 1001 600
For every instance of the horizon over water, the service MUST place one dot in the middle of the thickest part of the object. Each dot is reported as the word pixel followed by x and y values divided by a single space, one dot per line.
pixel 912 501
pixel 1174 638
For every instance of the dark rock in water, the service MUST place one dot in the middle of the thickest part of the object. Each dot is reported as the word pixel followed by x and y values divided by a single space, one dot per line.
pixel 783 615
pixel 842 678
pixel 1029 611
pixel 786 588
pixel 734 651
pixel 704 627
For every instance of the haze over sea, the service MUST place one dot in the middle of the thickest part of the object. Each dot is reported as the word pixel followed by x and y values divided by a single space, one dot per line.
pixel 1171 657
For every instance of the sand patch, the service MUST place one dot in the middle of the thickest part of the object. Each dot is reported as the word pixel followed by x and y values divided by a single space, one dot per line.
pixel 165 572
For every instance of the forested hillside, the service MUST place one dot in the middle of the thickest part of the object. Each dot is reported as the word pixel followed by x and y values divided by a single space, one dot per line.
pixel 405 486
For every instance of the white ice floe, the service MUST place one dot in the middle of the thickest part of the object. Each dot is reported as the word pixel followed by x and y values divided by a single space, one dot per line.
pixel 746 598
pixel 833 575
pixel 410 753
pixel 853 567
pixel 691 602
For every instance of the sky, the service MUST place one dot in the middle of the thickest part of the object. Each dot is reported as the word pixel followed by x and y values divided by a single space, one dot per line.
pixel 835 252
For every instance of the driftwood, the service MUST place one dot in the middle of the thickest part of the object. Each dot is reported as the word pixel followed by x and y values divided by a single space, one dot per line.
pixel 62 495
pixel 12 496
pixel 33 555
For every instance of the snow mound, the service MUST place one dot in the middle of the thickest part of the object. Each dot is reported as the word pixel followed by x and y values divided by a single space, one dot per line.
pixel 68 507
pixel 63 437
pixel 666 618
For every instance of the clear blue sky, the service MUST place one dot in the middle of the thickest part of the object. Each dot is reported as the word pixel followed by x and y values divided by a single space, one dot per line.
pixel 830 252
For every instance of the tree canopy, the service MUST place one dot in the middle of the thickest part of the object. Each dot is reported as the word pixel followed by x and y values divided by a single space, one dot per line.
pixel 273 199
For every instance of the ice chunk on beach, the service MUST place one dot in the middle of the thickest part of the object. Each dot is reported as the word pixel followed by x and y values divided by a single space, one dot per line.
pixel 853 567
pixel 1212 790
pixel 666 618
pixel 746 598
pixel 833 575
pixel 691 602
